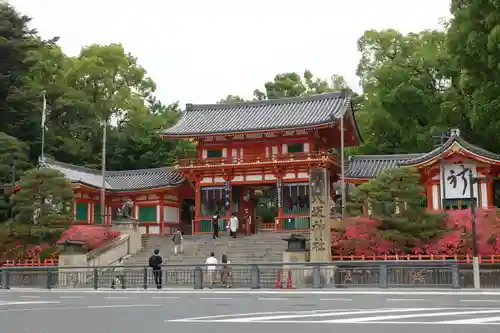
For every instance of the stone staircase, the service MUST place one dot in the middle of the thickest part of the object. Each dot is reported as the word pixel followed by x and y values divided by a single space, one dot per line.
pixel 262 247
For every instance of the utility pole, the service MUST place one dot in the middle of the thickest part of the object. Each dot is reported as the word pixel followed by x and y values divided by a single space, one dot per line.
pixel 342 168
pixel 44 116
pixel 103 172
pixel 475 260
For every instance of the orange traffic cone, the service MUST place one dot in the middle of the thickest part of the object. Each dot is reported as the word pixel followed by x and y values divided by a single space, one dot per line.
pixel 289 280
pixel 278 281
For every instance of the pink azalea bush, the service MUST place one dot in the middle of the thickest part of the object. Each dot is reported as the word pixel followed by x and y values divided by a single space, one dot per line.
pixel 91 235
pixel 361 237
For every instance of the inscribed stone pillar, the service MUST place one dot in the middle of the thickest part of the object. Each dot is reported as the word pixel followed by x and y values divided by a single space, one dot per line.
pixel 321 239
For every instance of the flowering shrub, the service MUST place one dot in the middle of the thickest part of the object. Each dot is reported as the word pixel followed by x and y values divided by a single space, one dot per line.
pixel 93 236
pixel 362 236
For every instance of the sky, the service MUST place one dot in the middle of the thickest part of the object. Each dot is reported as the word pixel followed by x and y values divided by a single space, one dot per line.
pixel 199 51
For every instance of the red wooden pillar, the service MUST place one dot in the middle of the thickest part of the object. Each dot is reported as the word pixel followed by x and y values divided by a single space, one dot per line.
pixel 197 203
pixel 162 213
pixel 491 198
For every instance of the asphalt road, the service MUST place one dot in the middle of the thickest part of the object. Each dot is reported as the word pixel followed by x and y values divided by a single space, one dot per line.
pixel 246 312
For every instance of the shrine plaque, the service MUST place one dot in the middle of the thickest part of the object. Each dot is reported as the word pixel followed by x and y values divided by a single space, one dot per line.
pixel 319 194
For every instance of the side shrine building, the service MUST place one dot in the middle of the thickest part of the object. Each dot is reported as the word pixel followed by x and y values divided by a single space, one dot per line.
pixel 257 157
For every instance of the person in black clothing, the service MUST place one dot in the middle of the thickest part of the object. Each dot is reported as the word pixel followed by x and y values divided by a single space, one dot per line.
pixel 155 262
pixel 215 226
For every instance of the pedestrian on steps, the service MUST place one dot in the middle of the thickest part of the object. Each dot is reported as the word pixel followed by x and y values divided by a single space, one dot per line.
pixel 118 274
pixel 215 226
pixel 211 269
pixel 226 273
pixel 178 240
pixel 233 225
pixel 155 262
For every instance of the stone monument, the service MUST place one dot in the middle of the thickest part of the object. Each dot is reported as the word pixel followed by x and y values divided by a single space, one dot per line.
pixel 321 239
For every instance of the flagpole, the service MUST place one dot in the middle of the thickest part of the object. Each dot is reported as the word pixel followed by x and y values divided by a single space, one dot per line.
pixel 44 116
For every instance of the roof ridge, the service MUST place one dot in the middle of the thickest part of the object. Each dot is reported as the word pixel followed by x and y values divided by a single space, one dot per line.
pixel 137 171
pixel 48 160
pixel 277 101
pixel 410 155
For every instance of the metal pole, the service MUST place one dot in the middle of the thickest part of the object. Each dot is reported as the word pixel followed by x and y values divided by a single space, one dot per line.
pixel 44 115
pixel 475 261
pixel 103 173
pixel 342 167
pixel 443 179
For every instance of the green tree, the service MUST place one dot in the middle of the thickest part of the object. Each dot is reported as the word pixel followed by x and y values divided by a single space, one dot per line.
pixel 137 143
pixel 20 109
pixel 231 99
pixel 473 37
pixel 405 86
pixel 14 156
pixel 293 85
pixel 45 199
pixel 396 199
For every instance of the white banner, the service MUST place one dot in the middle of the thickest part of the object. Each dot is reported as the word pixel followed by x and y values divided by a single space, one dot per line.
pixel 457 181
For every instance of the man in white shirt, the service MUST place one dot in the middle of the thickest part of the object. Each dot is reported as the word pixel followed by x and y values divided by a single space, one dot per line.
pixel 211 269
pixel 233 225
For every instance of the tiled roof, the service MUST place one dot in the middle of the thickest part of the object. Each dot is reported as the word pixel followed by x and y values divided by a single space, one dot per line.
pixel 285 113
pixel 455 137
pixel 370 166
pixel 127 180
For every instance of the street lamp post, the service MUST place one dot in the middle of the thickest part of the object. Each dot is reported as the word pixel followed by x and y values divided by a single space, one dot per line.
pixel 475 260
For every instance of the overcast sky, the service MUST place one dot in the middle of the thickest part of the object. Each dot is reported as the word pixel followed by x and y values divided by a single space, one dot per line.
pixel 199 51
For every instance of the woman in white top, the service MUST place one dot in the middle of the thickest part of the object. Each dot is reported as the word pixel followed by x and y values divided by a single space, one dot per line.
pixel 211 269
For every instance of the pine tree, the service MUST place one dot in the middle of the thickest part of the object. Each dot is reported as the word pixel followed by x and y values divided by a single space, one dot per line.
pixel 42 206
pixel 397 202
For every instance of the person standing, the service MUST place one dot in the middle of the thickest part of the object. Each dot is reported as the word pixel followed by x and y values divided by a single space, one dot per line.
pixel 215 226
pixel 155 262
pixel 226 273
pixel 178 239
pixel 118 274
pixel 248 223
pixel 211 269
pixel 233 225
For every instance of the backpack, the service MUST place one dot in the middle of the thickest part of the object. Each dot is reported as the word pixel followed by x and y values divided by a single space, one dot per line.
pixel 152 261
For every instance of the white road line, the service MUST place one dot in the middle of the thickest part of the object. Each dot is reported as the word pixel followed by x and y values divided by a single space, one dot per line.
pixel 165 297
pixel 233 315
pixel 480 300
pixel 363 323
pixel 272 299
pixel 489 320
pixel 29 303
pixel 327 314
pixel 122 306
pixel 413 315
pixel 335 299
pixel 30 297
pixel 215 298
pixel 404 299
pixel 70 297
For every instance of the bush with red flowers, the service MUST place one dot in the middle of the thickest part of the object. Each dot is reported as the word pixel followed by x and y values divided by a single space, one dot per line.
pixel 361 236
pixel 92 236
